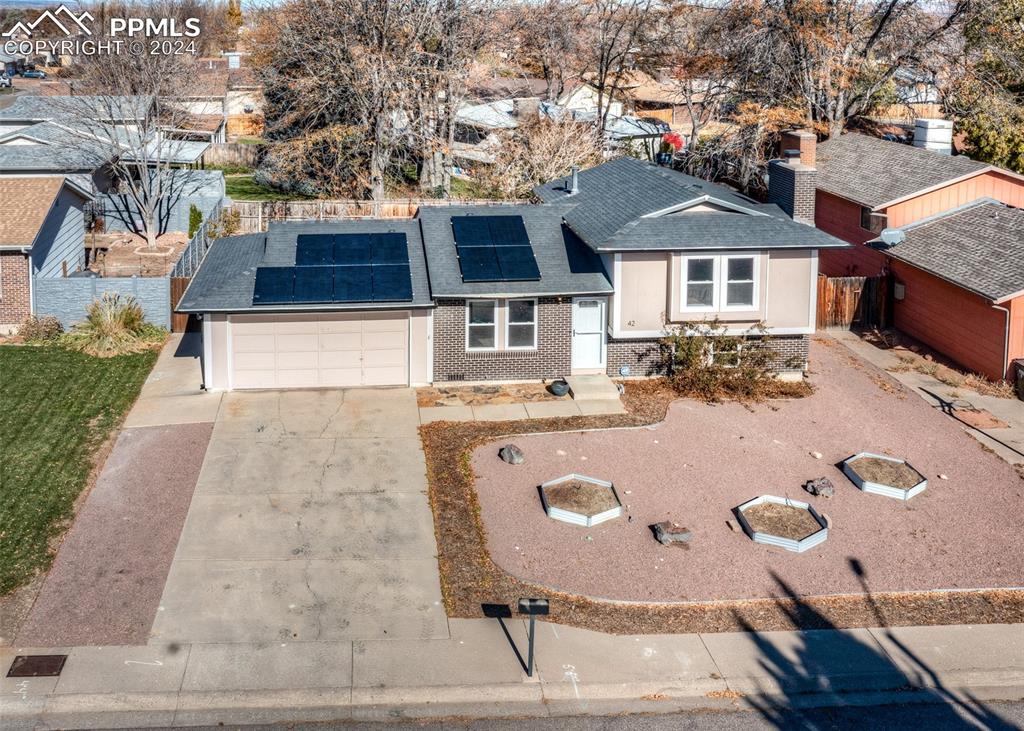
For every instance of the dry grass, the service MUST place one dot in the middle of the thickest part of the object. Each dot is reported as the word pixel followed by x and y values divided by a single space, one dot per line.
pixel 910 361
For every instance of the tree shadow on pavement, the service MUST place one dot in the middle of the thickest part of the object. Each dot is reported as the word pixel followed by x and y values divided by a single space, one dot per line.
pixel 864 666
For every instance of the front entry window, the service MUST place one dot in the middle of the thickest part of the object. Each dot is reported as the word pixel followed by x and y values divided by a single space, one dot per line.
pixel 481 325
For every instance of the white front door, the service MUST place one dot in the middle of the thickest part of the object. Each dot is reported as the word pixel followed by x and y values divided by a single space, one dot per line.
pixel 588 332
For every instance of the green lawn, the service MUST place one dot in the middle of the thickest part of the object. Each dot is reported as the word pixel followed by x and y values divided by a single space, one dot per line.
pixel 244 188
pixel 56 408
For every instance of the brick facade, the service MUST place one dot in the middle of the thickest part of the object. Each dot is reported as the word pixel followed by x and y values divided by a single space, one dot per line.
pixel 15 295
pixel 792 187
pixel 551 359
pixel 645 357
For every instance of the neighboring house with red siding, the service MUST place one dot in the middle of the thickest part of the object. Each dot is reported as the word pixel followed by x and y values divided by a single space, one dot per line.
pixel 959 264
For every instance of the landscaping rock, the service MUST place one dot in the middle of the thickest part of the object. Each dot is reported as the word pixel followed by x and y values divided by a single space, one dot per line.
pixel 512 454
pixel 668 533
pixel 821 486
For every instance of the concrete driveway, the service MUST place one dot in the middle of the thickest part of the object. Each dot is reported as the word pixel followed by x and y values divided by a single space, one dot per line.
pixel 310 521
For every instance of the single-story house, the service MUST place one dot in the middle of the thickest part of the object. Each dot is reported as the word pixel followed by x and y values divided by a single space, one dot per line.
pixel 960 283
pixel 867 185
pixel 43 235
pixel 588 281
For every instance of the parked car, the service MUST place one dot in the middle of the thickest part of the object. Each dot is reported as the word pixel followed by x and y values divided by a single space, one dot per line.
pixel 33 74
pixel 5 81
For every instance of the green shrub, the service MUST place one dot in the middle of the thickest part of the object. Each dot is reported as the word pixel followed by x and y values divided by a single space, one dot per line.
pixel 40 329
pixel 703 361
pixel 195 220
pixel 113 326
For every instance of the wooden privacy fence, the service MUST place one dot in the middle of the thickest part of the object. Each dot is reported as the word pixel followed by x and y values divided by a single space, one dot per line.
pixel 254 216
pixel 178 286
pixel 845 302
pixel 233 154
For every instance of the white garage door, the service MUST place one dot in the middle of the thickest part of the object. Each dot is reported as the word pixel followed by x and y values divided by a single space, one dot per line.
pixel 316 351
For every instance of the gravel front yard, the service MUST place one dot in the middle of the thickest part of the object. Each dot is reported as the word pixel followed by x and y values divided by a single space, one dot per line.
pixel 961 533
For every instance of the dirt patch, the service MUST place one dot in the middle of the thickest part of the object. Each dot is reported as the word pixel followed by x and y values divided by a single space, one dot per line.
pixel 581 497
pixel 884 472
pixel 979 418
pixel 126 255
pixel 470 577
pixel 784 521
pixel 513 393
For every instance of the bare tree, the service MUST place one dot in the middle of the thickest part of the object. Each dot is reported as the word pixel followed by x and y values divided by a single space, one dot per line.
pixel 541 150
pixel 841 53
pixel 128 117
pixel 619 34
pixel 549 37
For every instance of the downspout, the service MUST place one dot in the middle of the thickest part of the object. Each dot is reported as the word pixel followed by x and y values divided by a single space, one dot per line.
pixel 1006 338
pixel 27 251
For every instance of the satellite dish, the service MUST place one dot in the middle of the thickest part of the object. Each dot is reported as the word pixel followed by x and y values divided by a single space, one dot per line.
pixel 892 236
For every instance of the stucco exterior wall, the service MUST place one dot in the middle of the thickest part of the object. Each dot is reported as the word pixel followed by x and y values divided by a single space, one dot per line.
pixel 648 290
pixel 957 323
pixel 216 350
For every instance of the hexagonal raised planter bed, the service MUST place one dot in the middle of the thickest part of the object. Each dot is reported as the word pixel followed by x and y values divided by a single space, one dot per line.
pixel 580 500
pixel 783 523
pixel 881 475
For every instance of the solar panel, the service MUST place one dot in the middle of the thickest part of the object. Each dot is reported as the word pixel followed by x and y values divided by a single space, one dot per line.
pixel 352 249
pixel 274 285
pixel 471 231
pixel 391 283
pixel 389 248
pixel 479 264
pixel 353 283
pixel 517 263
pixel 314 284
pixel 314 250
pixel 508 231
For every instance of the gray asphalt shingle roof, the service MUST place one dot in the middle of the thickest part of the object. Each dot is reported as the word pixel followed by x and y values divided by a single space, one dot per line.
pixel 109 108
pixel 609 208
pixel 979 247
pixel 225 280
pixel 567 265
pixel 874 172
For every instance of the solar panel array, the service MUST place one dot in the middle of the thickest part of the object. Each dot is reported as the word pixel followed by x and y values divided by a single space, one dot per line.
pixel 494 249
pixel 339 268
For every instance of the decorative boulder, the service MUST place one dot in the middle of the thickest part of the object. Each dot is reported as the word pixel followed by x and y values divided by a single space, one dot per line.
pixel 512 454
pixel 821 486
pixel 668 533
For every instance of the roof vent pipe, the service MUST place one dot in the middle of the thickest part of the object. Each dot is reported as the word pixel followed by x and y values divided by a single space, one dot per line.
pixel 574 181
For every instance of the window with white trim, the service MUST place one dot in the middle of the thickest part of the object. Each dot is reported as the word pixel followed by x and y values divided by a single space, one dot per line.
pixel 481 324
pixel 699 283
pixel 739 282
pixel 719 282
pixel 521 325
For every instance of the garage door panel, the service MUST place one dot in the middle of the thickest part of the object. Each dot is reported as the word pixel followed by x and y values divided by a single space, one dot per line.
pixel 340 359
pixel 341 341
pixel 254 361
pixel 297 360
pixel 378 358
pixel 384 376
pixel 320 350
pixel 254 343
pixel 297 378
pixel 341 377
pixel 256 379
pixel 374 340
pixel 295 342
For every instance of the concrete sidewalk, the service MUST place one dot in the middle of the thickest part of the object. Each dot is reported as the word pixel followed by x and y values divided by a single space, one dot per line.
pixel 476 674
pixel 1008 442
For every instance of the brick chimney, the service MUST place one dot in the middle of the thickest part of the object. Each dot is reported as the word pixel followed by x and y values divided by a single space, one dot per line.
pixel 793 178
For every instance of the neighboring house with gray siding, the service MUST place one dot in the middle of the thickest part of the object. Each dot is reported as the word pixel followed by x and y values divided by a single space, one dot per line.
pixel 43 237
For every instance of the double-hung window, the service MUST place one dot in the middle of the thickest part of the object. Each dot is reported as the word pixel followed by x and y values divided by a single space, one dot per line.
pixel 719 282
pixel 521 325
pixel 481 325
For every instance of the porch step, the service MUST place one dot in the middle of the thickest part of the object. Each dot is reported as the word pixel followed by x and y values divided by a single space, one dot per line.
pixel 592 388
